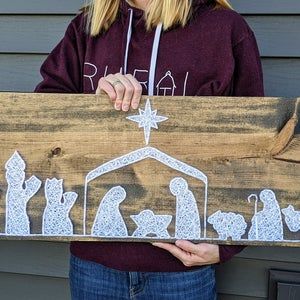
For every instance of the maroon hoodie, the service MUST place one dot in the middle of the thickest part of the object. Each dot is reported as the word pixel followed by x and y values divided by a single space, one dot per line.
pixel 215 54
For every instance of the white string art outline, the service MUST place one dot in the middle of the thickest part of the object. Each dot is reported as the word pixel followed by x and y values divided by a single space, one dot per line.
pixel 187 225
pixel 149 223
pixel 56 220
pixel 140 155
pixel 147 119
pixel 267 223
pixel 17 221
pixel 266 226
pixel 228 224
pixel 109 221
pixel 292 218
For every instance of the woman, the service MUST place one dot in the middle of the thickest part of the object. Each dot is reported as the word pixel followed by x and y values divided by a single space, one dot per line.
pixel 155 47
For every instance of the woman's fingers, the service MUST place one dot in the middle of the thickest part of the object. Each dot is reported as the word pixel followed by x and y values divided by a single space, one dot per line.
pixel 105 86
pixel 127 95
pixel 123 90
pixel 175 251
pixel 192 254
pixel 137 94
pixel 119 89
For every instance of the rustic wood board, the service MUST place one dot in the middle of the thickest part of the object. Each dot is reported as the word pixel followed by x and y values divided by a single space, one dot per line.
pixel 243 146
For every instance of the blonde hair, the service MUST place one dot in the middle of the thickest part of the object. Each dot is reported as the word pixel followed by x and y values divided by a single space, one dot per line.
pixel 103 13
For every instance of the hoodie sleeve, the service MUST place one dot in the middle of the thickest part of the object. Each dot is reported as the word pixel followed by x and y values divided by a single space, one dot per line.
pixel 248 74
pixel 62 70
pixel 227 252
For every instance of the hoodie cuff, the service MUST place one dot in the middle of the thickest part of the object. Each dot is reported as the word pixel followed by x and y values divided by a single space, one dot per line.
pixel 227 252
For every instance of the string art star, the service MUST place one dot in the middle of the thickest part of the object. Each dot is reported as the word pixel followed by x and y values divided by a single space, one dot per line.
pixel 147 119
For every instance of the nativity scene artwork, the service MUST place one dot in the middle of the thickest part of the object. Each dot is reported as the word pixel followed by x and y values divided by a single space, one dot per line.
pixel 118 200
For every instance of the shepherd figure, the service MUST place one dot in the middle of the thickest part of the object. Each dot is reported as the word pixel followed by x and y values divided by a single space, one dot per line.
pixel 266 224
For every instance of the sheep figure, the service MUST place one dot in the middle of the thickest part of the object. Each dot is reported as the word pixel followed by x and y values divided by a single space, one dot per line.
pixel 292 218
pixel 228 225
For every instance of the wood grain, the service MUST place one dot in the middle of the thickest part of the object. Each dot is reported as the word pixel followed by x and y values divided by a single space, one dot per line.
pixel 231 140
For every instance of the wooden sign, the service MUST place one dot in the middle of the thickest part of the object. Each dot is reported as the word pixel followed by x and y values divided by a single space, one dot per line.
pixel 222 170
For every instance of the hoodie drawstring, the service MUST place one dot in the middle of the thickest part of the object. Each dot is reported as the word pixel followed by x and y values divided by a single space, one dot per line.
pixel 154 59
pixel 154 54
pixel 129 33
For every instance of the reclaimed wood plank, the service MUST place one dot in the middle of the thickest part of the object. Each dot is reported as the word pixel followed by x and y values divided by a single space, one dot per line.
pixel 292 153
pixel 67 136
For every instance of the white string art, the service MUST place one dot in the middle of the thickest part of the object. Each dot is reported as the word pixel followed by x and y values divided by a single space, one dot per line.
pixel 267 224
pixel 173 163
pixel 56 220
pixel 228 225
pixel 187 215
pixel 147 119
pixel 109 221
pixel 292 218
pixel 149 223
pixel 17 197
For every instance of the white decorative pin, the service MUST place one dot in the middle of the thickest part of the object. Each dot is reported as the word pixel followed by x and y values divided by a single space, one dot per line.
pixel 292 218
pixel 267 224
pixel 109 221
pixel 148 223
pixel 187 215
pixel 147 119
pixel 228 225
pixel 17 197
pixel 56 220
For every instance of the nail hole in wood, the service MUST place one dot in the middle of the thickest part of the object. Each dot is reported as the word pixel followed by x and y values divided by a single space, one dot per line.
pixel 56 151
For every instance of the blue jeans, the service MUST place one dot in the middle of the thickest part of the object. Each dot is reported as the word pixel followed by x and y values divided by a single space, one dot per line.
pixel 92 281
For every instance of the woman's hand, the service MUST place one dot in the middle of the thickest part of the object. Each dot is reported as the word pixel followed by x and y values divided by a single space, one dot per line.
pixel 123 90
pixel 192 254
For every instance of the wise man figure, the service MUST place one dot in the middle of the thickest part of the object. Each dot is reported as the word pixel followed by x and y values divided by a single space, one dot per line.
pixel 19 192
